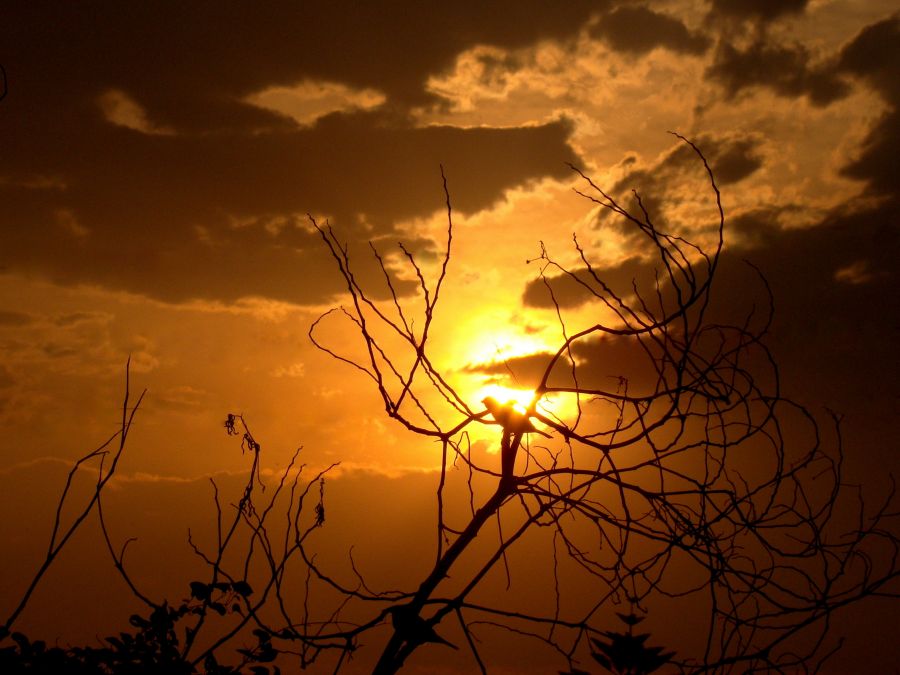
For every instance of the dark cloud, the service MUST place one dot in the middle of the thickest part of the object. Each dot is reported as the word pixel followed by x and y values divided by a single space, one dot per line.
pixel 763 10
pixel 873 56
pixel 876 161
pixel 790 70
pixel 178 217
pixel 599 363
pixel 836 326
pixel 732 158
pixel 523 371
pixel 638 30
pixel 609 362
pixel 581 287
pixel 785 69
pixel 205 195
pixel 190 64
pixel 757 228
pixel 735 159
pixel 835 330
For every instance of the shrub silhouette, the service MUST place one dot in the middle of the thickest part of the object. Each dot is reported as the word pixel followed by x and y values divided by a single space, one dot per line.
pixel 626 653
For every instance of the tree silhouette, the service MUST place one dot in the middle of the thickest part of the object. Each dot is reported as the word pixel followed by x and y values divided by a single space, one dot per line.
pixel 685 479
pixel 674 484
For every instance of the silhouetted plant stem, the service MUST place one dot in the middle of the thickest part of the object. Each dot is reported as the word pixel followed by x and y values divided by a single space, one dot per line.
pixel 399 647
pixel 58 541
pixel 688 474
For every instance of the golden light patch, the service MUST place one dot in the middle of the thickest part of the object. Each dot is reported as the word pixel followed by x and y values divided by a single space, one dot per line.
pixel 553 406
pixel 498 346
pixel 520 398
pixel 309 100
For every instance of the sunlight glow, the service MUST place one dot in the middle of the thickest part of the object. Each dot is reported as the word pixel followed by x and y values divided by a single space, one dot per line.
pixel 496 351
pixel 521 398
pixel 555 405
pixel 496 347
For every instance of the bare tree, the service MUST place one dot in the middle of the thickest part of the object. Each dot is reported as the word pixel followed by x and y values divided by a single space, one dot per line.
pixel 685 476
pixel 680 485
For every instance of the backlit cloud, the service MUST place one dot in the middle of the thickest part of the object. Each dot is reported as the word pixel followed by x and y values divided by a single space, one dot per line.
pixel 308 101
pixel 120 109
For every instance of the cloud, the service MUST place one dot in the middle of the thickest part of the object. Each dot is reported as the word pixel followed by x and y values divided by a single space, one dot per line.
pixel 732 157
pixel 122 110
pixel 581 287
pixel 226 52
pixel 857 272
pixel 42 462
pixel 308 101
pixel 735 160
pixel 668 191
pixel 668 186
pixel 521 371
pixel 599 363
pixel 603 362
pixel 638 30
pixel 793 70
pixel 785 69
pixel 183 217
pixel 872 56
pixel 72 344
pixel 834 331
pixel 267 116
pixel 60 465
pixel 761 10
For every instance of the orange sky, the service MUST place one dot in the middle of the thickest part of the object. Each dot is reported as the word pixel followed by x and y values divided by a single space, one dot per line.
pixel 158 164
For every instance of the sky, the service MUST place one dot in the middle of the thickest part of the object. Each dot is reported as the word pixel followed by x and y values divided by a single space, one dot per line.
pixel 160 163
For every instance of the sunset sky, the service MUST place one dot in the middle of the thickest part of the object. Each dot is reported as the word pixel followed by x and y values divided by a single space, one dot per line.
pixel 158 162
